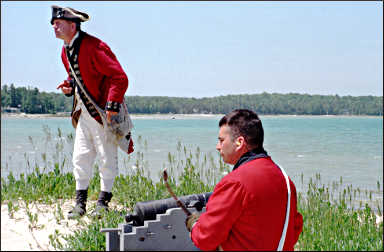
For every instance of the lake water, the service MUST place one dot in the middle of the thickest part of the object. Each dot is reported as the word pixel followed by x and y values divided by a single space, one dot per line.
pixel 351 147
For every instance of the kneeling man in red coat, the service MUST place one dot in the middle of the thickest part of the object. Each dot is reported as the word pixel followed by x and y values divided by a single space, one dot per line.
pixel 254 207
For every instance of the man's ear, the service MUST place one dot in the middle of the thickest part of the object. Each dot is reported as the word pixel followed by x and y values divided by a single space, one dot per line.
pixel 240 142
pixel 73 26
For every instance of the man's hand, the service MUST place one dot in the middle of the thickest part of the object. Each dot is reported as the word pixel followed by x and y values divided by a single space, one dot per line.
pixel 65 87
pixel 110 114
pixel 191 220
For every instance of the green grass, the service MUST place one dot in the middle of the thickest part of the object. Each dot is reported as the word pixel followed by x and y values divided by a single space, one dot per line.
pixel 336 216
pixel 333 222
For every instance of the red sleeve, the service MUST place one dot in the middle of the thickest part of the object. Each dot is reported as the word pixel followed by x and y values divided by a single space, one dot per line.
pixel 106 63
pixel 223 208
pixel 298 226
pixel 298 218
pixel 66 65
pixel 65 61
pixel 295 226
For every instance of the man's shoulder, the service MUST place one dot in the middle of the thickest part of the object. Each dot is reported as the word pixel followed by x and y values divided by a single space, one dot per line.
pixel 257 168
pixel 255 176
pixel 93 41
pixel 260 163
pixel 265 161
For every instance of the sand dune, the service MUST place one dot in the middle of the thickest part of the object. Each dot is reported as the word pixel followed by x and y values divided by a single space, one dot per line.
pixel 17 236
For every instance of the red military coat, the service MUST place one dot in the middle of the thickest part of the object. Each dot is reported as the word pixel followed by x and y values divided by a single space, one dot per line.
pixel 102 74
pixel 247 209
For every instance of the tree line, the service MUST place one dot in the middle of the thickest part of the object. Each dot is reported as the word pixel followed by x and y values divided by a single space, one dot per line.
pixel 31 100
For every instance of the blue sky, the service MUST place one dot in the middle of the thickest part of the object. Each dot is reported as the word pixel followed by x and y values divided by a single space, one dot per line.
pixel 206 49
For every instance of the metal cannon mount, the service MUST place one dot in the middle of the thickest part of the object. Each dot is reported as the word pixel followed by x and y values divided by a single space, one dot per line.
pixel 156 225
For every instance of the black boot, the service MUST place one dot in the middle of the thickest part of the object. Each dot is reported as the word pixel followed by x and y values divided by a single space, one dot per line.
pixel 102 203
pixel 79 209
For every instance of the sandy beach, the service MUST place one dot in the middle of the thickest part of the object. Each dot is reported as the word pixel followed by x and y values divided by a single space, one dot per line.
pixel 18 233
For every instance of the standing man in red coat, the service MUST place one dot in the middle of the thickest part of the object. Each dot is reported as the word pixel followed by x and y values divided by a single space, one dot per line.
pixel 254 206
pixel 90 63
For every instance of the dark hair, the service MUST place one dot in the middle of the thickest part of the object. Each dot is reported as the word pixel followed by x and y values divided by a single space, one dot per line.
pixel 78 25
pixel 76 21
pixel 245 123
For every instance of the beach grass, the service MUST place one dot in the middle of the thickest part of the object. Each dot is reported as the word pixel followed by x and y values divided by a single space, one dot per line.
pixel 330 223
pixel 339 217
pixel 336 216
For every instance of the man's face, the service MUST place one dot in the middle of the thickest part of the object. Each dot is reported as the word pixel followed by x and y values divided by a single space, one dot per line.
pixel 64 29
pixel 226 146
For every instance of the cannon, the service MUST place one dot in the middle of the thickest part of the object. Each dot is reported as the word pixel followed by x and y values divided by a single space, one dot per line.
pixel 156 225
pixel 148 210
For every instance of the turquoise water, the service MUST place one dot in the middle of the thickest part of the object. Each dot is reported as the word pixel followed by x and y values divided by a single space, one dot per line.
pixel 351 147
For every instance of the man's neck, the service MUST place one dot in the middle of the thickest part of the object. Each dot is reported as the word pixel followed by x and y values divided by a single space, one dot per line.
pixel 70 41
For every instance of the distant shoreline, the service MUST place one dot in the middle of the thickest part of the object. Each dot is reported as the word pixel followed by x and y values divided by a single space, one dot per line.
pixel 170 116
pixel 133 116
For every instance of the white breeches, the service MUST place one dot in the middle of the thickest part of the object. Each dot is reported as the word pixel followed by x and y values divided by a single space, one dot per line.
pixel 90 141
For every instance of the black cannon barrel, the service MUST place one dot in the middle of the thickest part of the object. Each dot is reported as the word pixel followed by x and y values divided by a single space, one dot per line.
pixel 147 210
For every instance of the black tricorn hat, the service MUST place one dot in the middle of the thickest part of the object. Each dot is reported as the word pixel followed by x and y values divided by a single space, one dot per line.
pixel 68 14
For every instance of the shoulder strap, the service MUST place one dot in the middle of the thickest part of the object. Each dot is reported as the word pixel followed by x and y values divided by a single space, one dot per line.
pixel 79 84
pixel 283 235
